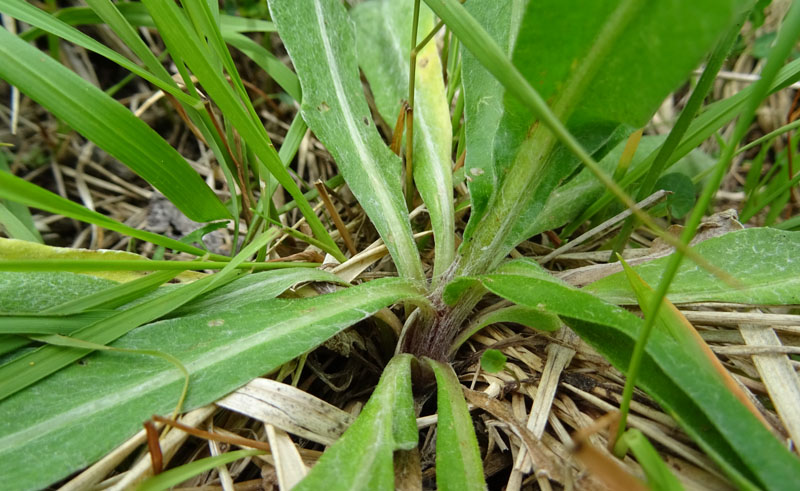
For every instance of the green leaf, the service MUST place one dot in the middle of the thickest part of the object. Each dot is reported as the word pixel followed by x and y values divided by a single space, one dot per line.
pixel 681 201
pixel 222 349
pixel 14 251
pixel 534 319
pixel 458 458
pixel 173 477
pixel 108 124
pixel 589 59
pixel 320 40
pixel 761 259
pixel 137 15
pixel 564 52
pixel 493 360
pixel 383 32
pixel 38 364
pixel 185 43
pixel 15 217
pixel 697 399
pixel 17 189
pixel 268 62
pixel 713 117
pixel 363 457
pixel 659 476
pixel 36 292
pixel 49 324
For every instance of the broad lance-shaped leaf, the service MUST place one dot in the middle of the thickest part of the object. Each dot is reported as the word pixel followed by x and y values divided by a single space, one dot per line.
pixel 98 117
pixel 363 457
pixel 562 52
pixel 320 40
pixel 497 127
pixel 61 416
pixel 458 458
pixel 745 450
pixel 673 322
pixel 763 260
pixel 383 32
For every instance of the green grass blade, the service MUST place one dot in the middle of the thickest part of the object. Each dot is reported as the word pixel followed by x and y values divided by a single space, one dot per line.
pixel 714 117
pixel 28 13
pixel 88 265
pixel 320 40
pixel 786 39
pixel 182 40
pixel 14 227
pixel 761 259
pixel 269 63
pixel 114 296
pixel 138 16
pixel 458 458
pixel 36 365
pixel 16 189
pixel 362 457
pixel 19 216
pixel 110 125
pixel 112 16
pixel 221 348
pixel 382 37
pixel 525 177
pixel 724 428
pixel 659 476
pixel 25 324
pixel 173 477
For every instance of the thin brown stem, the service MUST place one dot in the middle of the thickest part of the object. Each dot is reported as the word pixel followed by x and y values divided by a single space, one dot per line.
pixel 337 219
pixel 217 437
pixel 246 199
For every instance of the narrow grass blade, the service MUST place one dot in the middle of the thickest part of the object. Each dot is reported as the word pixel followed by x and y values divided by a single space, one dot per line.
pixel 103 268
pixel 458 458
pixel 320 40
pixel 138 16
pixel 362 457
pixel 120 266
pixel 382 37
pixel 173 477
pixel 15 228
pixel 16 218
pixel 673 322
pixel 114 296
pixel 221 348
pixel 763 260
pixel 25 324
pixel 713 117
pixel 19 190
pixel 269 63
pixel 110 125
pixel 659 476
pixel 28 13
pixel 725 429
pixel 565 52
pixel 185 43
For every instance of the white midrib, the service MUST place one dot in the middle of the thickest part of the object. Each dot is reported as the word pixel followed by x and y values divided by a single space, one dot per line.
pixel 153 383
pixel 379 189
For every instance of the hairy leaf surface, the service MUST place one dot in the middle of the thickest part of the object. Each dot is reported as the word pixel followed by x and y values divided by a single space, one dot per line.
pixel 321 42
pixel 222 349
